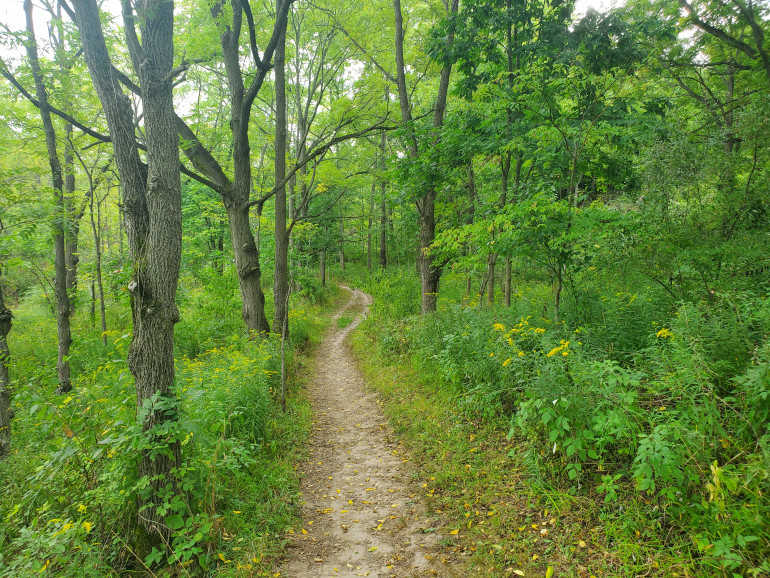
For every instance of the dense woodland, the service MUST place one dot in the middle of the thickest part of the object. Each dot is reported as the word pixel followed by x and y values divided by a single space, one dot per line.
pixel 562 218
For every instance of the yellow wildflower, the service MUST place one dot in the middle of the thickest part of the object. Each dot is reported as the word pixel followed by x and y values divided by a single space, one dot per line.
pixel 663 333
pixel 507 362
pixel 499 327
pixel 539 330
pixel 87 526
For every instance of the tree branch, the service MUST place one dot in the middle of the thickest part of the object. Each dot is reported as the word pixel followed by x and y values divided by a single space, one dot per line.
pixel 61 114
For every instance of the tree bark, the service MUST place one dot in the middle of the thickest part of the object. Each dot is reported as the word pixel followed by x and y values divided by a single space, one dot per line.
pixel 430 270
pixel 383 209
pixel 281 276
pixel 5 382
pixel 72 227
pixel 322 267
pixel 236 193
pixel 153 219
pixel 98 259
pixel 64 333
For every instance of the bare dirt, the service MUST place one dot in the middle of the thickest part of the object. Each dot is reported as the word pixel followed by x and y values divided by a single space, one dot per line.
pixel 362 511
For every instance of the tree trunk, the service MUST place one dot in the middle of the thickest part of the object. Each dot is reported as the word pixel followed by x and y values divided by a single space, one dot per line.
pixel 72 228
pixel 281 278
pixel 507 284
pixel 469 221
pixel 342 244
pixel 60 266
pixel 92 310
pixel 153 218
pixel 98 259
pixel 236 193
pixel 383 210
pixel 430 271
pixel 322 267
pixel 383 228
pixel 369 228
pixel 5 382
pixel 249 272
pixel 491 261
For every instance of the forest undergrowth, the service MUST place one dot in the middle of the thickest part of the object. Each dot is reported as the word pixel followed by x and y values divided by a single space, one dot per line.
pixel 71 483
pixel 628 439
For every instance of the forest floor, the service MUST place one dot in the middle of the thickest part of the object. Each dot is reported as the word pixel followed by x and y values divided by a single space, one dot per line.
pixel 361 509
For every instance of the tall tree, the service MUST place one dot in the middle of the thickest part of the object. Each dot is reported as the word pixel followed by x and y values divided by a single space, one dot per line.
pixel 63 309
pixel 151 202
pixel 236 192
pixel 430 269
pixel 281 275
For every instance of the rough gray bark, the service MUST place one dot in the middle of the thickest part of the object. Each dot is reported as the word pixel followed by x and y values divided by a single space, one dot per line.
pixel 60 266
pixel 5 382
pixel 430 270
pixel 153 219
pixel 281 273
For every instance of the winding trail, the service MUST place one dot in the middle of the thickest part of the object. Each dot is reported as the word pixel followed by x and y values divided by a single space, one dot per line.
pixel 361 518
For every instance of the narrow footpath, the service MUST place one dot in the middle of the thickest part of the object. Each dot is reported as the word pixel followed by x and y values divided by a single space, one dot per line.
pixel 362 513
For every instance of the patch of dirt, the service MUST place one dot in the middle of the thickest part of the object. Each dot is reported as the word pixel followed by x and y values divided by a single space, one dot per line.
pixel 362 513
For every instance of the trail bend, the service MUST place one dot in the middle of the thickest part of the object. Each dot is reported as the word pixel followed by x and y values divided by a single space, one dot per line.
pixel 361 514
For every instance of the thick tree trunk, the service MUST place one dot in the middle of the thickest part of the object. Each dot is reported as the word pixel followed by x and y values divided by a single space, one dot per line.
pixel 281 277
pixel 60 266
pixel 153 218
pixel 5 382
pixel 249 272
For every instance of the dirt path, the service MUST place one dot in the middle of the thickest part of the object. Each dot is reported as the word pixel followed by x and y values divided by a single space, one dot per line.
pixel 361 518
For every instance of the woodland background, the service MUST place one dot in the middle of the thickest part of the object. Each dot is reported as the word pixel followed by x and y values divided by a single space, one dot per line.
pixel 562 218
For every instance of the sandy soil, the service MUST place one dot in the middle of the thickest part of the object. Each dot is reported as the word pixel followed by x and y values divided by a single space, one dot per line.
pixel 362 512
